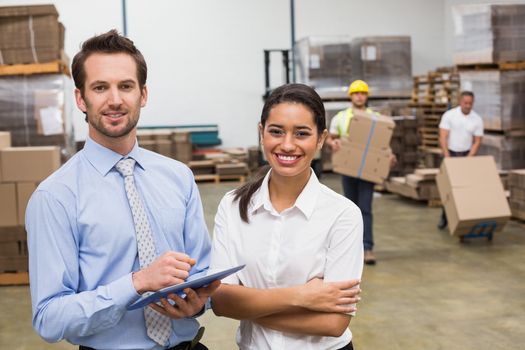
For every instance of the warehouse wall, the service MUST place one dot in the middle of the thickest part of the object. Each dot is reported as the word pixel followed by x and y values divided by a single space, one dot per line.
pixel 449 24
pixel 205 57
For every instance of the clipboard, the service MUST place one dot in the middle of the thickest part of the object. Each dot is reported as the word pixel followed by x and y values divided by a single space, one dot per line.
pixel 179 288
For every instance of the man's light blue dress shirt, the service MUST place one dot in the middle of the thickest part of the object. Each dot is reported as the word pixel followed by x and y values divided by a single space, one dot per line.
pixel 82 246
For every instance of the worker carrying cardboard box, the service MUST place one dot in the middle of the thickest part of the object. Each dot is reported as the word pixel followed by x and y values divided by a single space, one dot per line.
pixel 356 189
pixel 460 132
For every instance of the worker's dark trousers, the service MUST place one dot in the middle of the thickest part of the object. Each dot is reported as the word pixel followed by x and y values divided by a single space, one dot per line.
pixel 361 192
pixel 452 154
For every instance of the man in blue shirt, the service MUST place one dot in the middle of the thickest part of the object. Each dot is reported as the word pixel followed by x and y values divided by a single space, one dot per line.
pixel 115 221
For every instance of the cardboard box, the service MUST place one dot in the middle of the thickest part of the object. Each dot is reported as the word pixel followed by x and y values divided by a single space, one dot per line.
pixel 232 169
pixel 162 134
pixel 8 207
pixel 12 234
pixel 5 139
pixel 180 136
pixel 30 34
pixel 24 190
pixel 472 193
pixel 517 178
pixel 15 263
pixel 32 164
pixel 366 152
pixel 10 249
pixel 183 152
pixel 163 147
pixel 202 167
pixel 150 145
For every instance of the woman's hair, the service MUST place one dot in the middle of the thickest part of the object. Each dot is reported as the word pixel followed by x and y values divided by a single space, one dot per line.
pixel 289 93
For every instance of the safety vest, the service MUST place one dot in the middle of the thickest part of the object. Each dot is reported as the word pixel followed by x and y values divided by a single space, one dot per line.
pixel 343 120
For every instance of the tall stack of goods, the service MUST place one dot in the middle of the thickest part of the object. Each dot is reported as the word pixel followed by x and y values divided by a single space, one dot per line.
pixel 36 94
pixel 516 181
pixel 325 64
pixel 490 54
pixel 171 143
pixel 385 63
pixel 21 170
pixel 404 144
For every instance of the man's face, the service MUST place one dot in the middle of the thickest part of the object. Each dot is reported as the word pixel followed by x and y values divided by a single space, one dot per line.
pixel 112 97
pixel 466 103
pixel 359 99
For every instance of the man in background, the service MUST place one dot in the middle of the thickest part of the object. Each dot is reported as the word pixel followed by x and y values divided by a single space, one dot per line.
pixel 460 133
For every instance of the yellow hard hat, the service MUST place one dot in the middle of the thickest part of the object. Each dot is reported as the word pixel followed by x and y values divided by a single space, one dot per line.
pixel 358 86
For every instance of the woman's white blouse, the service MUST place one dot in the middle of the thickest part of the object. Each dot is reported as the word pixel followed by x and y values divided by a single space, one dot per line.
pixel 320 236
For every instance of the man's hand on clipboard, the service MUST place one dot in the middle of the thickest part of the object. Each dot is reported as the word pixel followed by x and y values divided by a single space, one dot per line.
pixel 168 269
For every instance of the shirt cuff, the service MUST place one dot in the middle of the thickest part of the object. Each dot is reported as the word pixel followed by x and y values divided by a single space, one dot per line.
pixel 122 290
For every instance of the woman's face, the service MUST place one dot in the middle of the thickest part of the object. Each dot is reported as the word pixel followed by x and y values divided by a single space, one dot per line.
pixel 290 139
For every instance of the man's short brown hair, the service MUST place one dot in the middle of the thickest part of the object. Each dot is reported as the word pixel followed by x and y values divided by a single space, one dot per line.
pixel 108 43
pixel 467 93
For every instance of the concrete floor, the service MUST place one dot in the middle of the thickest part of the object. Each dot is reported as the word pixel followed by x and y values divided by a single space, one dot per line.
pixel 426 292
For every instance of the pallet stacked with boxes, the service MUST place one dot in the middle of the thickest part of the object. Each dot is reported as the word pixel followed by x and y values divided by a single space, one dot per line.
pixel 493 68
pixel 21 169
pixel 324 63
pixel 170 143
pixel 35 89
pixel 385 63
pixel 219 165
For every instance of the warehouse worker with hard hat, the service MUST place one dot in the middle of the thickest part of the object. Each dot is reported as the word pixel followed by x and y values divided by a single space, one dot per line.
pixel 357 190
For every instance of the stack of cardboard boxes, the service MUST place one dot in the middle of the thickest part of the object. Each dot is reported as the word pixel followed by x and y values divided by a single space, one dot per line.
pixel 324 63
pixel 404 144
pixel 473 195
pixel 35 108
pixel 488 33
pixel 385 63
pixel 516 181
pixel 217 165
pixel 30 34
pixel 366 152
pixel 169 143
pixel 489 52
pixel 21 169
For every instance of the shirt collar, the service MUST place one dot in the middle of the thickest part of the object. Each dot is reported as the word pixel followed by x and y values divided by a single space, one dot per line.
pixel 103 159
pixel 305 202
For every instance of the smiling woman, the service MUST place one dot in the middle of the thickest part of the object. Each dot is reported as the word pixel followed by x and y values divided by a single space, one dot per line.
pixel 300 241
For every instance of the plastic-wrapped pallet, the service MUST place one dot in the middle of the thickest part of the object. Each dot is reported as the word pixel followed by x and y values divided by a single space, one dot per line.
pixel 385 63
pixel 498 97
pixel 324 63
pixel 508 152
pixel 37 110
pixel 487 33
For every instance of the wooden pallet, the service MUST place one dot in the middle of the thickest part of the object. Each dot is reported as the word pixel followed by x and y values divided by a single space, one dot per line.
pixel 219 178
pixel 14 278
pixel 35 68
pixel 487 66
pixel 508 133
pixel 434 203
